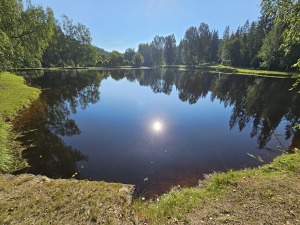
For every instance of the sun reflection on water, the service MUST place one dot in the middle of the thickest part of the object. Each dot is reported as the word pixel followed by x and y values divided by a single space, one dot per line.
pixel 157 126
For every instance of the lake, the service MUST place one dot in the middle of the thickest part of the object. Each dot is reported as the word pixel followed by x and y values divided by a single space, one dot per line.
pixel 155 128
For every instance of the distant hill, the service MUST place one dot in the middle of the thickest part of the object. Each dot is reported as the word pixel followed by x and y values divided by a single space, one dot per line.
pixel 101 51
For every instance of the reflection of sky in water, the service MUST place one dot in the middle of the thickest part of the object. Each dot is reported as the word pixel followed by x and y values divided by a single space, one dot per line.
pixel 138 134
pixel 133 133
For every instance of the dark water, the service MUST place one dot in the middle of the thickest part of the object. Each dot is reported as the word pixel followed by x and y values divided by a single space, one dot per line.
pixel 155 128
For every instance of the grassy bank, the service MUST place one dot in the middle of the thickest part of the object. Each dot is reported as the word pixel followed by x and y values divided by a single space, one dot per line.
pixel 218 68
pixel 29 199
pixel 244 71
pixel 267 195
pixel 15 96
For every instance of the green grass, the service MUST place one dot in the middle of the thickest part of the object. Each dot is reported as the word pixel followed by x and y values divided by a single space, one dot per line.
pixel 218 68
pixel 15 96
pixel 6 159
pixel 217 192
pixel 248 71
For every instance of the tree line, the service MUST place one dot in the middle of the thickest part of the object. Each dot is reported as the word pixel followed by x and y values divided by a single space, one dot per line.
pixel 25 31
pixel 264 43
pixel 30 36
pixel 272 42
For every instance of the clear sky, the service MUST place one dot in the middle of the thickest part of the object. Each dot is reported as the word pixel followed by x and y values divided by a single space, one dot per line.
pixel 119 24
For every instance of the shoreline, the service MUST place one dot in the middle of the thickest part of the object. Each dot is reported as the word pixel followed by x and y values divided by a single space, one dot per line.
pixel 206 67
pixel 15 96
pixel 269 193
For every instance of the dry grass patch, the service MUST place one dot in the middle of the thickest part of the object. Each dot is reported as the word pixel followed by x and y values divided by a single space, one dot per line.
pixel 28 199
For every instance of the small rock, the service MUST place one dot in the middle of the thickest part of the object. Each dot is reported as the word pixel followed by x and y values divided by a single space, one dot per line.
pixel 10 209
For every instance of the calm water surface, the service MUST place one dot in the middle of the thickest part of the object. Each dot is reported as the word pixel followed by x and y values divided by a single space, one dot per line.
pixel 155 128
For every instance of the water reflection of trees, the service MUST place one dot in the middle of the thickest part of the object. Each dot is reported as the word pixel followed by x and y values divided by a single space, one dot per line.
pixel 259 102
pixel 262 103
pixel 48 120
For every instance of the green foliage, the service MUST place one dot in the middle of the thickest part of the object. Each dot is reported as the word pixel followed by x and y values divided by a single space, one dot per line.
pixel 240 49
pixel 25 32
pixel 144 50
pixel 284 14
pixel 170 49
pixel 78 38
pixel 291 34
pixel 190 46
pixel 71 46
pixel 56 54
pixel 156 50
pixel 129 56
pixel 213 47
pixel 205 37
pixel 271 43
pixel 200 45
pixel 102 57
pixel 255 38
pixel 224 50
pixel 179 59
pixel 6 51
pixel 91 56
pixel 270 52
pixel 138 59
pixel 102 52
pixel 115 59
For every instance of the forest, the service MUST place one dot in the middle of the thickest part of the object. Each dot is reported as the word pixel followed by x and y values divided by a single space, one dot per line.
pixel 32 38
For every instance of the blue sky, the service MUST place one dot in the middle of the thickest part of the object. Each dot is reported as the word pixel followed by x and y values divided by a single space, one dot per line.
pixel 117 24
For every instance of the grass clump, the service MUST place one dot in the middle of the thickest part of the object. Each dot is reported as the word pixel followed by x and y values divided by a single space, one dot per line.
pixel 15 96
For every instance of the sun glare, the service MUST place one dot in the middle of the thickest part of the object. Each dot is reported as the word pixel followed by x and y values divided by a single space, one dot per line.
pixel 157 126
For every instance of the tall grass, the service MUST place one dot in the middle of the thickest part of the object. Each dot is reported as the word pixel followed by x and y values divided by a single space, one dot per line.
pixel 6 159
